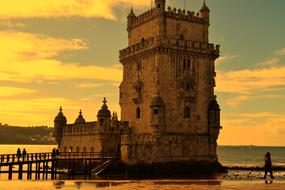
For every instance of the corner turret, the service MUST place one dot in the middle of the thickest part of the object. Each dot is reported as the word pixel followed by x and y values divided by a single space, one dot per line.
pixel 214 118
pixel 131 19
pixel 59 123
pixel 205 12
pixel 160 6
pixel 104 115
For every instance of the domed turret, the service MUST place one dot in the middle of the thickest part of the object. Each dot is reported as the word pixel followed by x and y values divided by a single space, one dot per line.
pixel 160 6
pixel 131 18
pixel 59 123
pixel 80 119
pixel 60 117
pixel 205 12
pixel 104 111
pixel 214 113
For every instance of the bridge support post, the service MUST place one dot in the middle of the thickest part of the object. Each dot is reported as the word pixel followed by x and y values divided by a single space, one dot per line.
pixel 52 170
pixel 43 176
pixel 10 174
pixel 29 171
pixel 39 170
pixel 36 172
pixel 20 174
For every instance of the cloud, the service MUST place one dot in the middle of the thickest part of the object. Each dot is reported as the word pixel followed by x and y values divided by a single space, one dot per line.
pixel 66 8
pixel 271 61
pixel 88 85
pixel 275 59
pixel 237 100
pixel 34 111
pixel 265 126
pixel 280 52
pixel 11 24
pixel 225 57
pixel 6 91
pixel 248 81
pixel 27 57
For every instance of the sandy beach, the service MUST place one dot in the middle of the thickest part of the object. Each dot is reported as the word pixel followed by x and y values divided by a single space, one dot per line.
pixel 145 185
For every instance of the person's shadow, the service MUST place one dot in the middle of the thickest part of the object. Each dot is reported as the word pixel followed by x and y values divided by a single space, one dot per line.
pixel 268 182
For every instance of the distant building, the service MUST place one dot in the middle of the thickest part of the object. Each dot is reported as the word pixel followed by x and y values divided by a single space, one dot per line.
pixel 167 94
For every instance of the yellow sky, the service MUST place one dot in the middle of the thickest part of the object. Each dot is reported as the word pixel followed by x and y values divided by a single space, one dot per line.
pixel 43 66
pixel 66 8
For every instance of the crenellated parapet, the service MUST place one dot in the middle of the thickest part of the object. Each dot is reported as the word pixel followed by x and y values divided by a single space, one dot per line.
pixel 91 128
pixel 141 46
pixel 184 15
pixel 172 43
pixel 174 13
pixel 144 17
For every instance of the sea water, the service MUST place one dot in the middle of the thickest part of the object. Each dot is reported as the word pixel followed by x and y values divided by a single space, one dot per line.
pixel 242 156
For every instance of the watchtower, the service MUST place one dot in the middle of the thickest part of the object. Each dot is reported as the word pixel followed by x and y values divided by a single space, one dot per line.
pixel 167 92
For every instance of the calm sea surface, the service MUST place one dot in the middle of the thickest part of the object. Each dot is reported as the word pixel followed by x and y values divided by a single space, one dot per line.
pixel 228 155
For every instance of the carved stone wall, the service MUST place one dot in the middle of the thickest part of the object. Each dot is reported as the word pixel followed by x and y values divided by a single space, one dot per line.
pixel 168 85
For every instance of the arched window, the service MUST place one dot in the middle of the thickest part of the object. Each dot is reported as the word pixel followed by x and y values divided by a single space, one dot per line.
pixel 138 113
pixel 184 65
pixel 187 87
pixel 155 111
pixel 186 112
pixel 188 65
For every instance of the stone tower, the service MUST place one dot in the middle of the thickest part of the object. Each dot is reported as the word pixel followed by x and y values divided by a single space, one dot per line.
pixel 167 92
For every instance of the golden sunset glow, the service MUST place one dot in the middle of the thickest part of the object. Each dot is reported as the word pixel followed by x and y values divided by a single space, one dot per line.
pixel 66 8
pixel 65 53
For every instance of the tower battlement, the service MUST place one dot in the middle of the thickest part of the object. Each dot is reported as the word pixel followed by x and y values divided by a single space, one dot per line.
pixel 188 15
pixel 167 92
pixel 178 44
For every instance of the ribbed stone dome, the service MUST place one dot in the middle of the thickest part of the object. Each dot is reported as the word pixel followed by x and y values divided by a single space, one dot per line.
pixel 104 111
pixel 80 119
pixel 60 117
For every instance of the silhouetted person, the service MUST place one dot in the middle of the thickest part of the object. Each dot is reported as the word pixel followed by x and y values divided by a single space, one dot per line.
pixel 57 152
pixel 24 153
pixel 53 153
pixel 19 153
pixel 268 165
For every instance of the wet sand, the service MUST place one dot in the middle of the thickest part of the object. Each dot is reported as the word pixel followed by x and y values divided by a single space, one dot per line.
pixel 234 180
pixel 144 185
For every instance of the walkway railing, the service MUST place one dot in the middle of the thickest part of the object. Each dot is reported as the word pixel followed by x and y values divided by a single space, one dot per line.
pixel 44 164
pixel 32 157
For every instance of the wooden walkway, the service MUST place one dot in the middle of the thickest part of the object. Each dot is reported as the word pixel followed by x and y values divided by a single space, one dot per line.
pixel 46 165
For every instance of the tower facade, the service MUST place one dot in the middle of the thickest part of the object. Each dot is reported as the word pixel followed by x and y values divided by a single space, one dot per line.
pixel 167 93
